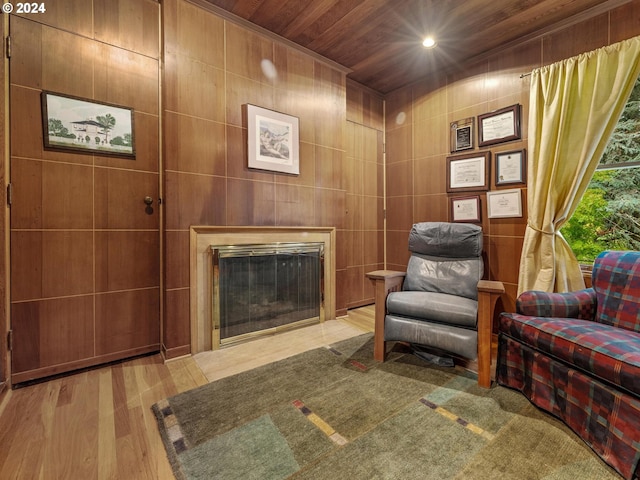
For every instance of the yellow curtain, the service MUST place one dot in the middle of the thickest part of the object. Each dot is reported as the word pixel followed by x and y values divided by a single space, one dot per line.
pixel 574 107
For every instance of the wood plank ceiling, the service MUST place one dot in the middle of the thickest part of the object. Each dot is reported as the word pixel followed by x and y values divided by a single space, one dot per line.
pixel 380 40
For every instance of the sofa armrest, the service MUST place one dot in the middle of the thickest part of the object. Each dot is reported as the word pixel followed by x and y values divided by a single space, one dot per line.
pixel 580 304
pixel 385 282
pixel 488 294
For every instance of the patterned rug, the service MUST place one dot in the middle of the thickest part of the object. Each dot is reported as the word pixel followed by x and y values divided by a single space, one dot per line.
pixel 335 413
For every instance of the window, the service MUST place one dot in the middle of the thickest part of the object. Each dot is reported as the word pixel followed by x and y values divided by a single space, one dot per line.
pixel 608 216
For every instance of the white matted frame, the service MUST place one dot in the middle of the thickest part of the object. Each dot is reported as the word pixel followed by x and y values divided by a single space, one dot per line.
pixel 273 141
pixel 504 203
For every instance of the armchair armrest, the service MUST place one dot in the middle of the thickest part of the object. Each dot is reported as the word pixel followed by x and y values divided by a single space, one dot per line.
pixel 385 282
pixel 580 304
pixel 488 294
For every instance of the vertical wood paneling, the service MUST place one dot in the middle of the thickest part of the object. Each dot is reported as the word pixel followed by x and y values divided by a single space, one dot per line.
pixel 5 359
pixel 363 180
pixel 129 25
pixel 213 68
pixel 417 124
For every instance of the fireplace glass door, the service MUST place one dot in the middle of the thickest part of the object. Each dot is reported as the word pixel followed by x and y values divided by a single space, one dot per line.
pixel 260 289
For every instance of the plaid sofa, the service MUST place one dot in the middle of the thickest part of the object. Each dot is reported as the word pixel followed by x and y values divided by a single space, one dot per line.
pixel 577 356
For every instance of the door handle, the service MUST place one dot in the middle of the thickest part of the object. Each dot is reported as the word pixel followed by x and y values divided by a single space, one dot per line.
pixel 148 200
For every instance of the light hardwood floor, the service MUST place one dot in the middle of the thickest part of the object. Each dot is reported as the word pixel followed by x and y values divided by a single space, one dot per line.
pixel 98 424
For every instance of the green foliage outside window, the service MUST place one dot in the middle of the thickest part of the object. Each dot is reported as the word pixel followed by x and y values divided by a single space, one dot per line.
pixel 608 216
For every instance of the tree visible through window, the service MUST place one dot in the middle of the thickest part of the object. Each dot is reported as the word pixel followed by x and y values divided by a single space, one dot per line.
pixel 608 216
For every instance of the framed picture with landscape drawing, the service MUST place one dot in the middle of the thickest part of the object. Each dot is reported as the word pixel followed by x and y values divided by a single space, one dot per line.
pixel 273 141
pixel 85 126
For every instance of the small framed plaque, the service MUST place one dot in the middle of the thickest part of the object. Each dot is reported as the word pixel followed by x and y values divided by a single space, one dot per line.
pixel 461 136
pixel 465 209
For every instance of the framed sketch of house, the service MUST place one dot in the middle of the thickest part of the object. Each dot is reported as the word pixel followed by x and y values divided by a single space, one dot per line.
pixel 273 141
pixel 79 125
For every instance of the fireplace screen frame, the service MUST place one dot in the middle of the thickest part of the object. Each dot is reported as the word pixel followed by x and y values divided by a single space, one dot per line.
pixel 219 252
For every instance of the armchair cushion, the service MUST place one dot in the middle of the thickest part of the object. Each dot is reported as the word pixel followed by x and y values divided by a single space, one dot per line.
pixel 611 354
pixel 442 239
pixel 452 276
pixel 461 341
pixel 616 281
pixel 433 306
pixel 580 304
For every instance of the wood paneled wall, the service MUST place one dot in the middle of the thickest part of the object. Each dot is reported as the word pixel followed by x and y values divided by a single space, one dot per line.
pixel 5 359
pixel 364 182
pixel 417 130
pixel 214 66
pixel 193 128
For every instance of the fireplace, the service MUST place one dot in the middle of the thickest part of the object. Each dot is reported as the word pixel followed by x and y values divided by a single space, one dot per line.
pixel 265 288
pixel 204 335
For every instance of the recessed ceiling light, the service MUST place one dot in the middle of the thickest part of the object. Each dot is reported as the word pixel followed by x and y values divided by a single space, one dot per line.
pixel 429 42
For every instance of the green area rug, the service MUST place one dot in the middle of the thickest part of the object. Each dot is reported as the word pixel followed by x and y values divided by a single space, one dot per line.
pixel 335 413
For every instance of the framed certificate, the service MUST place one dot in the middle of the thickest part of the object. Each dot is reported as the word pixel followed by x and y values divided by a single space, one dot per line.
pixel 499 126
pixel 504 203
pixel 510 167
pixel 468 173
pixel 465 209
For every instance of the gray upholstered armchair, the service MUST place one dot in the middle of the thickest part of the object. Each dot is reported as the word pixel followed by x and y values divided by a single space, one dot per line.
pixel 441 302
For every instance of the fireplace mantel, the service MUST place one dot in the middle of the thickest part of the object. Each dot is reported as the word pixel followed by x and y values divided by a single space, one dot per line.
pixel 202 237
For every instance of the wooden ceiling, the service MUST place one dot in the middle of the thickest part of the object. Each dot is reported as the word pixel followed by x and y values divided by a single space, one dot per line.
pixel 379 41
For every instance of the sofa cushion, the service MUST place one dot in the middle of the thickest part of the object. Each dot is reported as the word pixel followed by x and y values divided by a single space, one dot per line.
pixel 437 307
pixel 609 353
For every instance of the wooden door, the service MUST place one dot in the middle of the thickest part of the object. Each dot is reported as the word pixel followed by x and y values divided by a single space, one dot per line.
pixel 85 253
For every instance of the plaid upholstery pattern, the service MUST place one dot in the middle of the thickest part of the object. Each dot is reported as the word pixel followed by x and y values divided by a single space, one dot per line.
pixel 616 281
pixel 577 356
pixel 612 354
pixel 580 304
pixel 606 419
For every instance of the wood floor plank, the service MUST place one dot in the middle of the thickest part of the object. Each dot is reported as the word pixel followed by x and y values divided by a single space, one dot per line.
pixel 24 423
pixel 107 468
pixel 98 424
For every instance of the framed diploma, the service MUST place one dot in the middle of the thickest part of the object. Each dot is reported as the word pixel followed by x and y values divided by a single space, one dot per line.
pixel 465 209
pixel 468 173
pixel 461 136
pixel 504 203
pixel 499 126
pixel 510 167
